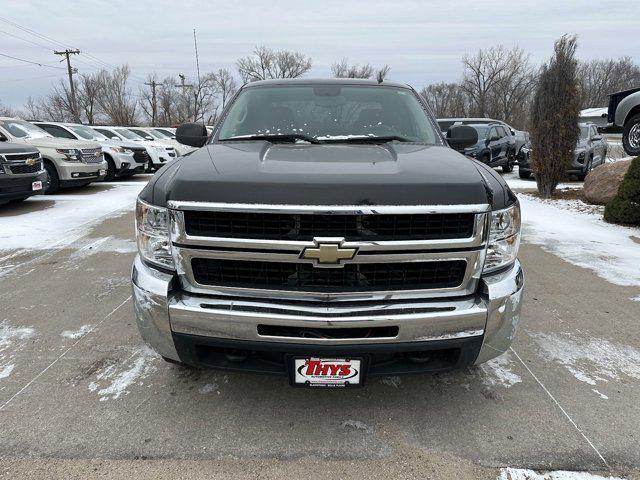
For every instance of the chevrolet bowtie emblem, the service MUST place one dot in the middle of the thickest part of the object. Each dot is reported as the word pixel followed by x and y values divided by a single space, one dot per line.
pixel 328 252
pixel 30 161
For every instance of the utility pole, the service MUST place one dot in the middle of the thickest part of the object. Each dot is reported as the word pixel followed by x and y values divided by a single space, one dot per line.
pixel 74 106
pixel 154 108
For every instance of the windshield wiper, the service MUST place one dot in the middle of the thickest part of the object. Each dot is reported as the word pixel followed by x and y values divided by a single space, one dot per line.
pixel 284 137
pixel 368 139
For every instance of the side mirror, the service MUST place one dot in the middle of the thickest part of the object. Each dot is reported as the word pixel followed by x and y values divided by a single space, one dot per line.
pixel 192 134
pixel 460 137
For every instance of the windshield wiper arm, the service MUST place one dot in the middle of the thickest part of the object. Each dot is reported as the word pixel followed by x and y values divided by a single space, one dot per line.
pixel 369 139
pixel 284 137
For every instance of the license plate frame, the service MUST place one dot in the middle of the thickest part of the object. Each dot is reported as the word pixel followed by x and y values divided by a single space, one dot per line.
pixel 102 172
pixel 298 368
pixel 36 186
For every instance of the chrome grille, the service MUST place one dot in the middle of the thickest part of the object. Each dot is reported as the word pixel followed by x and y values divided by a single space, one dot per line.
pixel 257 250
pixel 91 155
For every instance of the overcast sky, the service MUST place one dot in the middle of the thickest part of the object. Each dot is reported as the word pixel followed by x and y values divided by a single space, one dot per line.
pixel 422 41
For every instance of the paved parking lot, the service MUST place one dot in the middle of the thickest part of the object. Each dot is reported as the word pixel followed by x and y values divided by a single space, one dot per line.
pixel 82 397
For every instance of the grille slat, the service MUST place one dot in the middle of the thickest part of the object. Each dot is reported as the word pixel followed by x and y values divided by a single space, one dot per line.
pixel 351 277
pixel 24 168
pixel 276 226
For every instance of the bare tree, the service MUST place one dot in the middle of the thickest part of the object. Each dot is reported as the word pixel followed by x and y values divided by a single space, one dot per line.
pixel 267 63
pixel 554 117
pixel 481 74
pixel 7 111
pixel 87 93
pixel 599 78
pixel 342 69
pixel 446 100
pixel 115 97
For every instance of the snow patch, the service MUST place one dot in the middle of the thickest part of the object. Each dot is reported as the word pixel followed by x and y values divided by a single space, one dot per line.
pixel 514 181
pixel 590 360
pixel 391 381
pixel 524 474
pixel 74 334
pixel 584 240
pixel 65 218
pixel 356 425
pixel 91 246
pixel 136 368
pixel 12 339
pixel 635 299
pixel 497 372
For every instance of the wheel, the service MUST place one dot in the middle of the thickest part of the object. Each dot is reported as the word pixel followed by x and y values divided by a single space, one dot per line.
pixel 486 158
pixel 54 180
pixel 111 170
pixel 508 167
pixel 524 175
pixel 586 170
pixel 631 136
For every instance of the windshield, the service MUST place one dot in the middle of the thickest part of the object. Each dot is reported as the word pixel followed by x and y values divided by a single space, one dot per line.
pixel 128 134
pixel 329 112
pixel 166 133
pixel 22 129
pixel 88 133
pixel 155 134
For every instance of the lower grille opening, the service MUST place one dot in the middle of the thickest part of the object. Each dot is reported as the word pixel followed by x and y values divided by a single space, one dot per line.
pixel 327 333
pixel 350 278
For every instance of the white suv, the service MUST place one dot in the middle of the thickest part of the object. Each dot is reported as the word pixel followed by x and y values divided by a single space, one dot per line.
pixel 124 157
pixel 153 135
pixel 68 162
pixel 160 153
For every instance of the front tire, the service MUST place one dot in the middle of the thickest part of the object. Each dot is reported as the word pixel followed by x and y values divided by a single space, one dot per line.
pixel 111 170
pixel 524 175
pixel 508 167
pixel 631 136
pixel 587 169
pixel 54 180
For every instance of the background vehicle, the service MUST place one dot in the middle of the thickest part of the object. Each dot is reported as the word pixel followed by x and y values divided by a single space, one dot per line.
pixel 154 136
pixel 124 157
pixel 360 239
pixel 67 162
pixel 624 111
pixel 159 153
pixel 168 131
pixel 22 173
pixel 590 151
pixel 495 146
pixel 520 136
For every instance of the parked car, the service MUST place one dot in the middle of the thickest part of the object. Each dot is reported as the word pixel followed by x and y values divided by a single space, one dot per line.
pixel 154 136
pixel 624 112
pixel 495 146
pixel 590 151
pixel 168 131
pixel 160 154
pixel 521 137
pixel 22 172
pixel 67 162
pixel 361 246
pixel 124 157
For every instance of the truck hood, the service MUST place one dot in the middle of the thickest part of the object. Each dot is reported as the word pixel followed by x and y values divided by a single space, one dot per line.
pixel 6 147
pixel 338 174
pixel 52 142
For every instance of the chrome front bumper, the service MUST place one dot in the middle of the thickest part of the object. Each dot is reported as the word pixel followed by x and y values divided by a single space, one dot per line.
pixel 162 308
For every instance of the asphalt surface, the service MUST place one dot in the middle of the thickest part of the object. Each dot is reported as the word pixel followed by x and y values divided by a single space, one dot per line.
pixel 84 398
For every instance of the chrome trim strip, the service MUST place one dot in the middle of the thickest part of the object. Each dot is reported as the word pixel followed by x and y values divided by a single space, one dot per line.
pixel 179 236
pixel 328 209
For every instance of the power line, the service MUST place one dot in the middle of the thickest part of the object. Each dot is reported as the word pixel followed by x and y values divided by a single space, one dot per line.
pixel 67 54
pixel 31 62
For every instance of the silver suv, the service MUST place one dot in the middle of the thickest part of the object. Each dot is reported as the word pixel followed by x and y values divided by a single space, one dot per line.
pixel 124 157
pixel 68 162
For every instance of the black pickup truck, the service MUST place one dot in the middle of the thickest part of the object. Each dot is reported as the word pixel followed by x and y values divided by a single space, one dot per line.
pixel 327 231
pixel 21 172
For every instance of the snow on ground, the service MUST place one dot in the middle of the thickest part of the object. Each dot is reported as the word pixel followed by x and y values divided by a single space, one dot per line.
pixel 590 360
pixel 515 182
pixel 69 217
pixel 610 251
pixel 75 334
pixel 112 382
pixel 523 474
pixel 11 340
pixel 498 372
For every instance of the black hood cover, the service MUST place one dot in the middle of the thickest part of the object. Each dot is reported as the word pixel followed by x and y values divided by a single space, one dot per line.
pixel 328 174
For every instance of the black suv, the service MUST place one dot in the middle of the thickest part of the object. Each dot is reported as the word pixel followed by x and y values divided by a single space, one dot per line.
pixel 496 146
pixel 21 172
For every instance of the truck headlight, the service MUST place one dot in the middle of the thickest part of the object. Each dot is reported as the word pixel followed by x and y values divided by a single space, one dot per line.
pixel 72 154
pixel 504 238
pixel 152 234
